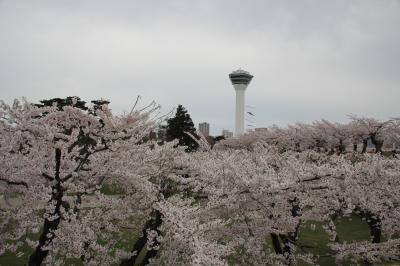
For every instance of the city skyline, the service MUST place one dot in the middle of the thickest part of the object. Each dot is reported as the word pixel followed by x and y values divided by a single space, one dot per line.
pixel 312 59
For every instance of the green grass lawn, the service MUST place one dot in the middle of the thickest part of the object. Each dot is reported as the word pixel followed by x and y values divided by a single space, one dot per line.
pixel 349 229
pixel 10 259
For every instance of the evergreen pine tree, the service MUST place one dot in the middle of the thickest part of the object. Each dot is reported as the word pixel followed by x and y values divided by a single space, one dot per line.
pixel 60 103
pixel 74 101
pixel 97 104
pixel 178 125
pixel 83 140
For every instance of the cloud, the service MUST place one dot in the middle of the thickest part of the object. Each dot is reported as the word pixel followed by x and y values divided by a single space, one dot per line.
pixel 310 59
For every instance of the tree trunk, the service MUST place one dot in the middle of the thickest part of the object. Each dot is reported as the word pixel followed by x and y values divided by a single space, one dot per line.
pixel 341 147
pixel 291 238
pixel 378 147
pixel 276 244
pixel 140 244
pixel 375 230
pixel 378 144
pixel 288 240
pixel 355 147
pixel 49 227
pixel 297 147
pixel 364 147
pixel 318 144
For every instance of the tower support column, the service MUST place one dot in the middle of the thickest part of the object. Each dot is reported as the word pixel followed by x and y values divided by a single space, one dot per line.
pixel 239 121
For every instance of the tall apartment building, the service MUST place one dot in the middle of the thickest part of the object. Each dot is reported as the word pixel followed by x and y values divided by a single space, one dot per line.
pixel 204 128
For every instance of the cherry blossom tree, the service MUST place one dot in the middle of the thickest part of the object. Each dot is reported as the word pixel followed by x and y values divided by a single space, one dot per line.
pixel 246 190
pixel 377 131
pixel 56 161
pixel 215 206
pixel 325 136
pixel 372 191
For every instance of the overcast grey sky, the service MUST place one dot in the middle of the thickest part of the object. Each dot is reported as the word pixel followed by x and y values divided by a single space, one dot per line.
pixel 311 59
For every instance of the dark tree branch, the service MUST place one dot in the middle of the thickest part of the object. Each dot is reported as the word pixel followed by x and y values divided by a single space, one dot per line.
pixel 17 183
pixel 48 177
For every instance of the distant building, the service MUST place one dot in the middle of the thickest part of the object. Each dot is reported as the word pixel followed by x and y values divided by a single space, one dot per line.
pixel 227 134
pixel 204 128
pixel 161 133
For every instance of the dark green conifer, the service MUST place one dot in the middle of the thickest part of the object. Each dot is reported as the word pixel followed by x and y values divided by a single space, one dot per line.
pixel 177 127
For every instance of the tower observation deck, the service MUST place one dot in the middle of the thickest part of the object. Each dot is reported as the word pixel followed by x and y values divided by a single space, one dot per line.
pixel 240 77
pixel 240 80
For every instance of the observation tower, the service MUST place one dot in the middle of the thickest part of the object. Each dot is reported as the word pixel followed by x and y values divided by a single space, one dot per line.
pixel 240 80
